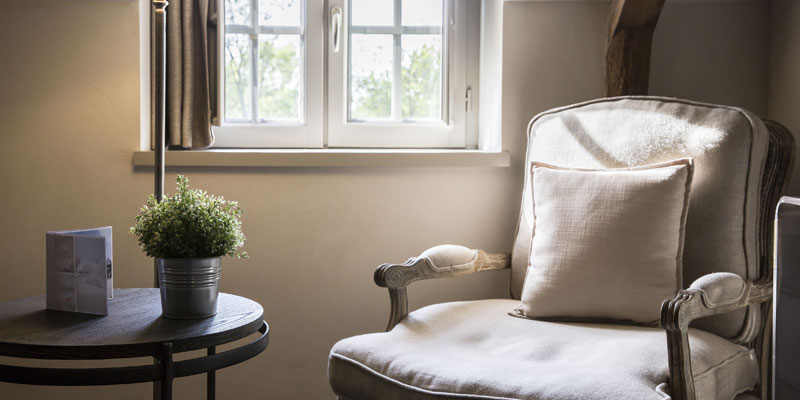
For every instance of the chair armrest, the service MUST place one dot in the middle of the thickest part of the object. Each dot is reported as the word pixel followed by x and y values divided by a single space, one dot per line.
pixel 437 262
pixel 712 294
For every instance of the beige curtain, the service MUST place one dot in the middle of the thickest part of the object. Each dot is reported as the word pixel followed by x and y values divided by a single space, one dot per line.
pixel 191 91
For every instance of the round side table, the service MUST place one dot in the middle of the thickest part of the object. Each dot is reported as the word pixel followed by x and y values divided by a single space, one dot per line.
pixel 132 328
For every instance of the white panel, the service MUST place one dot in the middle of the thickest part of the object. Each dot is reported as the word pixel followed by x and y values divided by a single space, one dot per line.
pixel 491 72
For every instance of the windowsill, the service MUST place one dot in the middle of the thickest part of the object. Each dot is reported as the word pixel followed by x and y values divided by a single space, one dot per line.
pixel 326 158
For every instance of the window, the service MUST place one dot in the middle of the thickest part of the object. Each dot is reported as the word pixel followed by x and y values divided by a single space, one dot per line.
pixel 264 67
pixel 395 61
pixel 271 83
pixel 395 74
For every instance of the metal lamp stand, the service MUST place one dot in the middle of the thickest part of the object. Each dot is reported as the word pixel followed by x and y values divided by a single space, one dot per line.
pixel 160 74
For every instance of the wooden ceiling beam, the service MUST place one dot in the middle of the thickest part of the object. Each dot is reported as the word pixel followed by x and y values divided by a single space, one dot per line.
pixel 630 39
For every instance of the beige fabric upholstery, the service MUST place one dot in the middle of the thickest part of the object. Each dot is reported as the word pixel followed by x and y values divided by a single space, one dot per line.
pixel 728 146
pixel 449 256
pixel 607 244
pixel 719 288
pixel 475 350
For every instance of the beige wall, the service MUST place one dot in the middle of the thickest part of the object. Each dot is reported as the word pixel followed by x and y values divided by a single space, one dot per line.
pixel 712 51
pixel 784 72
pixel 553 55
pixel 69 106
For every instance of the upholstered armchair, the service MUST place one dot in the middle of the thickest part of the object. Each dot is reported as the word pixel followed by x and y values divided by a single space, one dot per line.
pixel 712 339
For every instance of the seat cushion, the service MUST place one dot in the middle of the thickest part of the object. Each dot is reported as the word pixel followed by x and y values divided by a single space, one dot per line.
pixel 476 350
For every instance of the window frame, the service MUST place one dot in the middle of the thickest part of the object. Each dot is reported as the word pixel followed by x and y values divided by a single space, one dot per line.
pixel 326 117
pixel 449 133
pixel 278 134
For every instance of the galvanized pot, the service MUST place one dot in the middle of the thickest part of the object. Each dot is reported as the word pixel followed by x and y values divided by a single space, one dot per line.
pixel 189 286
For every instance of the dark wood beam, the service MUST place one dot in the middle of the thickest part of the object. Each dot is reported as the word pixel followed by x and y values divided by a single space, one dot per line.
pixel 630 38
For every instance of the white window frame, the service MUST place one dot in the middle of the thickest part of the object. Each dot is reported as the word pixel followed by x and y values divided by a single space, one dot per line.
pixel 326 122
pixel 448 133
pixel 276 134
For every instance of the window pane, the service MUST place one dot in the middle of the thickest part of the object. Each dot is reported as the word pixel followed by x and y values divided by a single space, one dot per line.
pixel 422 12
pixel 280 78
pixel 371 76
pixel 372 12
pixel 422 76
pixel 279 12
pixel 237 77
pixel 237 12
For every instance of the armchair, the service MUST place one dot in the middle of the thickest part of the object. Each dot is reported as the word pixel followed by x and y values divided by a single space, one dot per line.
pixel 715 343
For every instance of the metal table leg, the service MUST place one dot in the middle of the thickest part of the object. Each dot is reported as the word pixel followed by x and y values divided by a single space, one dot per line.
pixel 168 369
pixel 156 384
pixel 211 383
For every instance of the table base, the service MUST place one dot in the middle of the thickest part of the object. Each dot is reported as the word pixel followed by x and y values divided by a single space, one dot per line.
pixel 163 372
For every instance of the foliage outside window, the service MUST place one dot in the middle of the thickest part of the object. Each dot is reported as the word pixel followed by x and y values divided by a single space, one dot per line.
pixel 391 39
pixel 269 32
pixel 390 85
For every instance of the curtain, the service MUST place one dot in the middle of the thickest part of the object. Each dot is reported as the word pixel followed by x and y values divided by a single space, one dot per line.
pixel 191 92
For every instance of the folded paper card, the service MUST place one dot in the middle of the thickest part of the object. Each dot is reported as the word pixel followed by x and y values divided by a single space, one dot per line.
pixel 79 270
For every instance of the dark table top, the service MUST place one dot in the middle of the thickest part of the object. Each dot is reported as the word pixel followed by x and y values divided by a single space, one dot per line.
pixel 133 327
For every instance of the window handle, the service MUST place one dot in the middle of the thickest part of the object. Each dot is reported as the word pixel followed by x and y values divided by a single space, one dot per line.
pixel 336 27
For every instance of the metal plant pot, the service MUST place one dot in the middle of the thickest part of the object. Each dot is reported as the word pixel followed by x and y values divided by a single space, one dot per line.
pixel 189 286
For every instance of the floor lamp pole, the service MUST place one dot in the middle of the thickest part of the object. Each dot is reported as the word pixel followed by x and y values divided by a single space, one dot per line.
pixel 160 55
pixel 160 8
pixel 160 74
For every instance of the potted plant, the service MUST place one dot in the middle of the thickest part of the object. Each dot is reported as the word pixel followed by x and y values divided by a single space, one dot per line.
pixel 188 234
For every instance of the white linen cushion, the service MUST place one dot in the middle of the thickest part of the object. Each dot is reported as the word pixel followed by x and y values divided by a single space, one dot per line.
pixel 607 244
pixel 475 350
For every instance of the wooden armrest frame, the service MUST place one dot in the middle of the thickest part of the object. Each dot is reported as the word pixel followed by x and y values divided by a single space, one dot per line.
pixel 678 313
pixel 396 277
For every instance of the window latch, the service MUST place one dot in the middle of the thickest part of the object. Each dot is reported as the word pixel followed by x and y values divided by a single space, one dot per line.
pixel 336 27
pixel 468 99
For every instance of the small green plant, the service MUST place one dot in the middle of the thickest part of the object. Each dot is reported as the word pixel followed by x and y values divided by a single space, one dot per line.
pixel 190 224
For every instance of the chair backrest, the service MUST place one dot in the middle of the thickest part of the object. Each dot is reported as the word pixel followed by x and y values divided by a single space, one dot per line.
pixel 726 228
